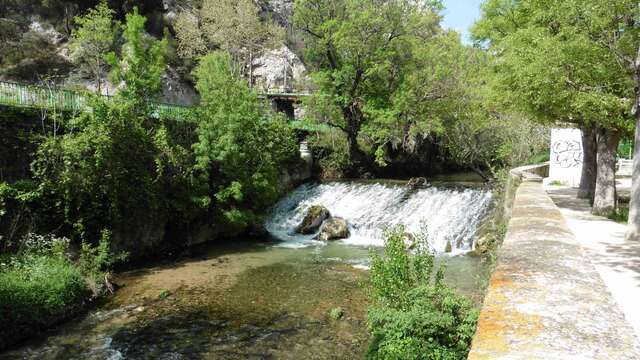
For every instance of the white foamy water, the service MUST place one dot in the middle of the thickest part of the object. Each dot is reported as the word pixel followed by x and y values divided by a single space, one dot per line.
pixel 449 215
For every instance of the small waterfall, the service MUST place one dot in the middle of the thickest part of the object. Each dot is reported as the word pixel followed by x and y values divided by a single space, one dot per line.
pixel 450 215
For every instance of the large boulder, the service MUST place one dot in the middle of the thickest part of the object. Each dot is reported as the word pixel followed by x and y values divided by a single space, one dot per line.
pixel 334 228
pixel 312 221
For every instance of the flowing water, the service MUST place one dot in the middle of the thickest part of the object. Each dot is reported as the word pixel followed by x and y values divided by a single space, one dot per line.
pixel 444 215
pixel 271 300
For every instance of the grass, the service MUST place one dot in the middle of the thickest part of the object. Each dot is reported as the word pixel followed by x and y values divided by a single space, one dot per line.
pixel 37 290
pixel 621 215
pixel 41 285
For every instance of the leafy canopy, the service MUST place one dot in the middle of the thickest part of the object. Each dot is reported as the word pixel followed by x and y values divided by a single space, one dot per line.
pixel 560 60
pixel 241 148
pixel 93 37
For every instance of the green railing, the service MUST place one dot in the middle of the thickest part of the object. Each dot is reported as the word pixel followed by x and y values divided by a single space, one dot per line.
pixel 14 94
pixel 42 97
pixel 32 96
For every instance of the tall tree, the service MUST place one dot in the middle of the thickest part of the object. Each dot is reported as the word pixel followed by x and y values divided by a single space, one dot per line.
pixel 92 39
pixel 358 51
pixel 553 68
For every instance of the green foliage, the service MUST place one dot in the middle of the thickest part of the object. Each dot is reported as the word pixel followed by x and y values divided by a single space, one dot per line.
pixel 538 158
pixel 336 313
pixel 235 26
pixel 141 64
pixel 113 165
pixel 240 148
pixel 38 285
pixel 620 215
pixel 94 260
pixel 41 284
pixel 330 154
pixel 414 315
pixel 561 61
pixel 358 53
pixel 93 37
pixel 18 216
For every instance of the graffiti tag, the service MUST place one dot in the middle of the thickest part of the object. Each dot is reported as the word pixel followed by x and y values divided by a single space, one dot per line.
pixel 567 153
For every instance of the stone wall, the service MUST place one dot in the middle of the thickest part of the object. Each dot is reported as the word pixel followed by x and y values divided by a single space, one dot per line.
pixel 545 299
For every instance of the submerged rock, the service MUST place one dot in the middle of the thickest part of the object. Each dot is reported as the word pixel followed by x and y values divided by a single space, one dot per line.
pixel 334 228
pixel 314 218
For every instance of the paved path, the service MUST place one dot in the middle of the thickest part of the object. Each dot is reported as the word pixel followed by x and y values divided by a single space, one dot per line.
pixel 616 260
pixel 546 300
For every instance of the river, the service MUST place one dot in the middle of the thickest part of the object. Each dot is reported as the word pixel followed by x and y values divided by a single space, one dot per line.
pixel 270 299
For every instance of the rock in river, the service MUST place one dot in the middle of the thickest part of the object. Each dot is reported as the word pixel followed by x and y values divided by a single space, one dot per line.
pixel 312 221
pixel 334 228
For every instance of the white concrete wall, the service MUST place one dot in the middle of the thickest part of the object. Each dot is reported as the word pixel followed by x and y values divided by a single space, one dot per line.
pixel 565 160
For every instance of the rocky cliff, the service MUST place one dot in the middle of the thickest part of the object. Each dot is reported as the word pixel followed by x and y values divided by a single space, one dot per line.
pixel 39 52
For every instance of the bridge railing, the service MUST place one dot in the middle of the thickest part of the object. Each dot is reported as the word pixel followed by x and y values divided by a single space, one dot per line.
pixel 42 97
pixel 33 96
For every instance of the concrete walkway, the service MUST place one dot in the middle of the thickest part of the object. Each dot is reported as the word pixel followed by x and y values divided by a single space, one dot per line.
pixel 616 260
pixel 546 300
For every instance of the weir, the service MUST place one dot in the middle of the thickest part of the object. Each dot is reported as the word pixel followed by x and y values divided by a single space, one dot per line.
pixel 444 215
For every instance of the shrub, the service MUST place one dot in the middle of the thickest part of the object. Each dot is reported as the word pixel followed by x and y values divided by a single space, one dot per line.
pixel 331 151
pixel 41 285
pixel 38 286
pixel 414 315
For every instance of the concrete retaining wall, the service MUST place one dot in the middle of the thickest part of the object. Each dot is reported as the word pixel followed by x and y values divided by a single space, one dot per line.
pixel 545 298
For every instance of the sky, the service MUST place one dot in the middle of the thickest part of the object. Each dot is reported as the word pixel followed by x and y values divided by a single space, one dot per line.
pixel 460 15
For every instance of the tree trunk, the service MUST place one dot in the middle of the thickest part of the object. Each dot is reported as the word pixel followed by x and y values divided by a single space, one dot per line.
pixel 353 118
pixel 589 151
pixel 604 201
pixel 355 153
pixel 633 231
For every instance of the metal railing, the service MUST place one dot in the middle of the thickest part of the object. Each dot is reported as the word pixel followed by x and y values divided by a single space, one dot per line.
pixel 33 96
pixel 43 97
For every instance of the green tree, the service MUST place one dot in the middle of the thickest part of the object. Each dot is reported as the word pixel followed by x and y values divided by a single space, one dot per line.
pixel 241 149
pixel 551 67
pixel 109 170
pixel 140 66
pixel 358 51
pixel 92 39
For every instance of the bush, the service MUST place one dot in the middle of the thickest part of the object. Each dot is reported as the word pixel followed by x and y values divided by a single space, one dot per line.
pixel 331 151
pixel 41 285
pixel 38 287
pixel 414 315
